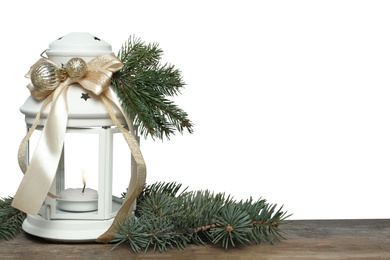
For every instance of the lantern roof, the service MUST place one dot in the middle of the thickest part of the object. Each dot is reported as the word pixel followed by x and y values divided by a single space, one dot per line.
pixel 78 44
pixel 84 108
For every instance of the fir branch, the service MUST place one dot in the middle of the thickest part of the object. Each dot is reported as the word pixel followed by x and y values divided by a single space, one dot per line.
pixel 11 219
pixel 167 218
pixel 144 86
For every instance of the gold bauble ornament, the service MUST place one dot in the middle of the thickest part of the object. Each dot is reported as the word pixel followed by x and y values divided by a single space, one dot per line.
pixel 46 76
pixel 76 68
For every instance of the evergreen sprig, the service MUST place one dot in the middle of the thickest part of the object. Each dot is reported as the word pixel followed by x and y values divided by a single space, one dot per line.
pixel 166 218
pixel 145 86
pixel 11 219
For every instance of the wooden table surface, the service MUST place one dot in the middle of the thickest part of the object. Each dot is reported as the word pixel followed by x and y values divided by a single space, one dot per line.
pixel 306 239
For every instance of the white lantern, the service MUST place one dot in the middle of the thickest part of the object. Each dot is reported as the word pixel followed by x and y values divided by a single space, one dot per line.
pixel 82 203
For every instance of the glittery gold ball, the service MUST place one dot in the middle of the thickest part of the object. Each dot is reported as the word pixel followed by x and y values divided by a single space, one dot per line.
pixel 76 68
pixel 45 76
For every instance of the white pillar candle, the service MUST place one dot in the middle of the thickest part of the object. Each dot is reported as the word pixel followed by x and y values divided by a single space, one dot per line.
pixel 76 200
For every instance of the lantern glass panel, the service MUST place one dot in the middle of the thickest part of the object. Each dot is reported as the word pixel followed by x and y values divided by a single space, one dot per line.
pixel 121 166
pixel 81 158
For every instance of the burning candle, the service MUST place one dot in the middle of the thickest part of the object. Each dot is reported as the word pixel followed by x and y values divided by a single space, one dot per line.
pixel 78 199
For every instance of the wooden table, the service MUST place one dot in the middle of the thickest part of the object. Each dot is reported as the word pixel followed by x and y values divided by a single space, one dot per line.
pixel 306 239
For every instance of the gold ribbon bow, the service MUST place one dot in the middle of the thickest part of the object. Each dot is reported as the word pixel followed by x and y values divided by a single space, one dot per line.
pixel 94 76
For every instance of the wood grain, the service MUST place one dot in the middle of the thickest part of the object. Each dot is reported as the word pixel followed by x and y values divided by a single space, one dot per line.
pixel 305 239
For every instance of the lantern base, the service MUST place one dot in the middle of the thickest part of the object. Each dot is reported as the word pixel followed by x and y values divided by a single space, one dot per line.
pixel 70 231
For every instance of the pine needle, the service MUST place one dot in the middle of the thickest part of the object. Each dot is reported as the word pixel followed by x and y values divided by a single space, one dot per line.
pixel 11 219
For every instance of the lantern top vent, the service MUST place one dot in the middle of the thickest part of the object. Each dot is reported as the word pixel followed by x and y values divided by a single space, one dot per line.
pixel 78 44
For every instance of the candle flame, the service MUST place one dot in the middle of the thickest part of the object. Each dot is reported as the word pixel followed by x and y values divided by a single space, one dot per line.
pixel 83 177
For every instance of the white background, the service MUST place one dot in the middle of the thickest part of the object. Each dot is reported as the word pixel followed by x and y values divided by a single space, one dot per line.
pixel 290 99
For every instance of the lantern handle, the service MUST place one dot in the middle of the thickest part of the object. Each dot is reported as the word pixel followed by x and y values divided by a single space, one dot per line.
pixel 44 53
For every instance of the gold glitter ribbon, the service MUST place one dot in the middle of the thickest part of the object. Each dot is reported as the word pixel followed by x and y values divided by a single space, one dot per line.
pixel 40 173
